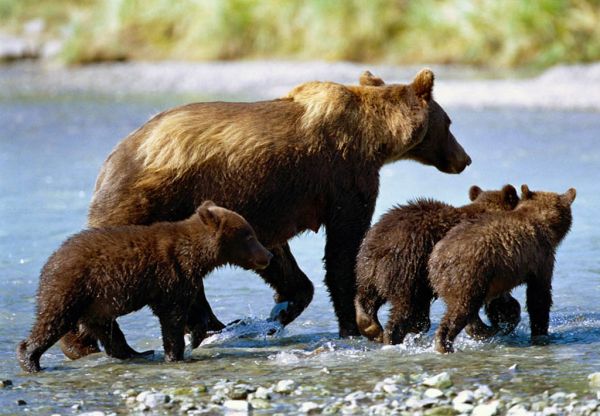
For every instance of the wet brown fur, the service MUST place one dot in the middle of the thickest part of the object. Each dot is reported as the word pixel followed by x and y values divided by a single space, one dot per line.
pixel 307 160
pixel 479 259
pixel 101 274
pixel 392 264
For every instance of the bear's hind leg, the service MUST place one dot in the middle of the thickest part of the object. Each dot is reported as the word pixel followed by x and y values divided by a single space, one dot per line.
pixel 47 330
pixel 367 304
pixel 112 338
pixel 458 314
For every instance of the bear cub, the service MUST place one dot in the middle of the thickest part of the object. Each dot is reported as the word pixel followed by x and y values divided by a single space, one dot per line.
pixel 392 266
pixel 100 274
pixel 480 259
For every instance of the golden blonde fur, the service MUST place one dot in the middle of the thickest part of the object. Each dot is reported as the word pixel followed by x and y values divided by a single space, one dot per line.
pixel 367 119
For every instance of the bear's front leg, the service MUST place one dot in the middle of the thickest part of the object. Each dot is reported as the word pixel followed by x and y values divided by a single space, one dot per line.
pixel 172 325
pixel 293 290
pixel 201 319
pixel 346 225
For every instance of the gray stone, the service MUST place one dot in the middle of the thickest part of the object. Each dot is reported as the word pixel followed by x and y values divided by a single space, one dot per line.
pixel 237 405
pixel 433 393
pixel 465 396
pixel 489 409
pixel 285 386
pixel 310 408
pixel 440 381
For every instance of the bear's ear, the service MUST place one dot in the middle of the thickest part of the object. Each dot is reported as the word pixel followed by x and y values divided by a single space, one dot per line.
pixel 474 192
pixel 509 195
pixel 525 192
pixel 208 216
pixel 368 79
pixel 423 84
pixel 570 195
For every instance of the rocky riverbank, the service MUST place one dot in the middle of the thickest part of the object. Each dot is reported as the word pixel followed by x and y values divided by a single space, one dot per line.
pixel 564 87
pixel 401 394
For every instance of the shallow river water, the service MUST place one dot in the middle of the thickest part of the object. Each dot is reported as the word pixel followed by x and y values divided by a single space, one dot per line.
pixel 51 148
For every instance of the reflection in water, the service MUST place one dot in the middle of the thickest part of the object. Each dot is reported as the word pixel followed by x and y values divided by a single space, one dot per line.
pixel 51 150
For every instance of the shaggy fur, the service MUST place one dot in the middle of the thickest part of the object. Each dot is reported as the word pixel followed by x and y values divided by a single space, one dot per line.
pixel 392 265
pixel 480 259
pixel 101 274
pixel 309 159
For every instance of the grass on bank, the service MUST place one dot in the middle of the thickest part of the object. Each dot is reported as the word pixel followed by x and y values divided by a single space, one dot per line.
pixel 492 33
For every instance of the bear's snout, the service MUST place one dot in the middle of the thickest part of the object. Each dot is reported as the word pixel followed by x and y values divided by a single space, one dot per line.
pixel 262 261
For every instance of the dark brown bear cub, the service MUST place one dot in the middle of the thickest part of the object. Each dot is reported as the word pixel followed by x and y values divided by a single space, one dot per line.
pixel 101 274
pixel 480 259
pixel 392 266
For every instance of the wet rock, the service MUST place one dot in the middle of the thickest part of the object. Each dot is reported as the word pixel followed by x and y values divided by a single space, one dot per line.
pixel 440 381
pixel 94 413
pixel 5 383
pixel 440 411
pixel 465 396
pixel 463 407
pixel 257 403
pixel 539 405
pixel 518 410
pixel 21 402
pixel 285 386
pixel 76 406
pixel 433 393
pixel 559 396
pixel 187 406
pixel 489 409
pixel 309 408
pixel 357 397
pixel 483 392
pixel 551 411
pixel 240 391
pixel 237 405
pixel 594 380
pixel 152 399
pixel 262 393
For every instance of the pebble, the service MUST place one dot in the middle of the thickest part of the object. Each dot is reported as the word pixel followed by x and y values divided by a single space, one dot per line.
pixel 483 392
pixel 593 378
pixel 465 396
pixel 260 403
pixel 21 402
pixel 440 411
pixel 6 383
pixel 262 393
pixel 440 381
pixel 152 399
pixel 94 413
pixel 433 393
pixel 518 410
pixel 463 407
pixel 310 408
pixel 489 409
pixel 237 405
pixel 357 396
pixel 285 386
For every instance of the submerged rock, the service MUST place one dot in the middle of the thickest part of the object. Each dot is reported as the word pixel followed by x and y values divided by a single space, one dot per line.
pixel 440 381
pixel 285 386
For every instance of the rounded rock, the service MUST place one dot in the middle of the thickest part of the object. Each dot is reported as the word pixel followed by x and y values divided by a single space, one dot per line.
pixel 440 381
pixel 285 386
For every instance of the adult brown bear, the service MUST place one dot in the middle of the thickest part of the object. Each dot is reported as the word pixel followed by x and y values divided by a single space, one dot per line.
pixel 287 165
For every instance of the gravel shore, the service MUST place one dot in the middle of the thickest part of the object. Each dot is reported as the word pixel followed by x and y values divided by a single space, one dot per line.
pixel 562 87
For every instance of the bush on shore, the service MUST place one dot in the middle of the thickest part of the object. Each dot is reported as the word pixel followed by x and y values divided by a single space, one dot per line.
pixel 512 33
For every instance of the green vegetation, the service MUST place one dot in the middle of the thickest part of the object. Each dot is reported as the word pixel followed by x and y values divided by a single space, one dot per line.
pixel 505 33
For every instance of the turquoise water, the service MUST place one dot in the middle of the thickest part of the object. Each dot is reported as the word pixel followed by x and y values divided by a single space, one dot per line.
pixel 51 148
